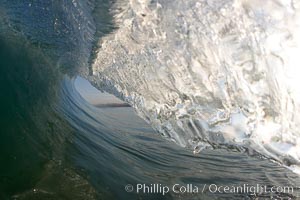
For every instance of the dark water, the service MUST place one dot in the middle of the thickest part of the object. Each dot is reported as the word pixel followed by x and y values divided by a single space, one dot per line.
pixel 55 145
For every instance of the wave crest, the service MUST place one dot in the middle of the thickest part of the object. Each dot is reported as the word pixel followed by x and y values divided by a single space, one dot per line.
pixel 218 72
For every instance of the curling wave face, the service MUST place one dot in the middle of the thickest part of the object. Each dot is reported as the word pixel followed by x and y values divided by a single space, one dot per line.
pixel 203 73
pixel 209 72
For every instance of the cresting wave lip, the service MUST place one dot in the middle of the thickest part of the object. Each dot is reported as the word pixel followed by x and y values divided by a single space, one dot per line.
pixel 223 73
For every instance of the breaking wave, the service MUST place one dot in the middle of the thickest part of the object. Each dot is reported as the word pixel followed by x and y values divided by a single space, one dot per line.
pixel 209 72
pixel 204 73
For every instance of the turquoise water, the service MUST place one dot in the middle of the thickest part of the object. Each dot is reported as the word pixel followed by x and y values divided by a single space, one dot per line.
pixel 56 145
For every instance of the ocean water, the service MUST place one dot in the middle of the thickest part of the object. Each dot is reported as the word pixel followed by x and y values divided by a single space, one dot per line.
pixel 199 116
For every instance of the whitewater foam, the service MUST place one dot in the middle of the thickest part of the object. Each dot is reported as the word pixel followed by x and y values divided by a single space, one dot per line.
pixel 218 72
